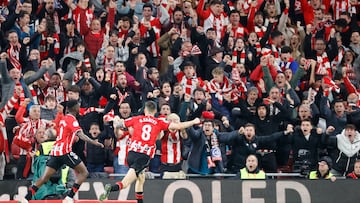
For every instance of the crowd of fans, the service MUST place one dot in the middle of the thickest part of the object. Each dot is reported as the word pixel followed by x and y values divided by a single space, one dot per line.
pixel 278 79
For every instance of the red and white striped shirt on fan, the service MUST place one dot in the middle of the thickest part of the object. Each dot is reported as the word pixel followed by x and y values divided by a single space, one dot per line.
pixel 156 25
pixel 68 127
pixel 171 148
pixel 146 131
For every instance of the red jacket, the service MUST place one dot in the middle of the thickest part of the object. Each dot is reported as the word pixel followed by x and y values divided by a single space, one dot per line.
pixel 94 42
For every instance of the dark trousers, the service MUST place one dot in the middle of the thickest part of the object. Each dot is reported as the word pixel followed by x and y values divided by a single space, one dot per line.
pixel 267 162
pixel 10 123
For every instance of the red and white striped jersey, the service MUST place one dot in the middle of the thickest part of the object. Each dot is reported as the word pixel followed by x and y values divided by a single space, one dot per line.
pixel 339 6
pixel 189 84
pixel 171 148
pixel 260 31
pixel 27 132
pixel 59 93
pixel 82 18
pixel 68 127
pixel 156 25
pixel 237 32
pixel 216 22
pixel 44 46
pixel 122 145
pixel 146 131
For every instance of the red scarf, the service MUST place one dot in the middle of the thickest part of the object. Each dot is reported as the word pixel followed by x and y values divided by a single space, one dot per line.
pixel 275 51
pixel 14 58
pixel 260 31
pixel 108 64
pixel 258 48
pixel 235 57
pixel 324 67
pixel 121 96
pixel 77 75
pixel 33 94
pixel 218 89
pixel 337 60
pixel 21 97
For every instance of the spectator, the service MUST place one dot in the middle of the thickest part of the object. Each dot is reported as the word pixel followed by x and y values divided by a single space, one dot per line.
pixel 323 171
pixel 171 147
pixel 346 150
pixel 248 143
pixel 55 187
pixel 205 156
pixel 49 111
pixel 25 138
pixel 95 161
pixel 252 171
pixel 306 143
pixel 356 173
pixel 220 88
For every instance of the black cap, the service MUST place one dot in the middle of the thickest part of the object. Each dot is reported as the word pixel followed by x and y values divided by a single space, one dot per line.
pixel 71 103
pixel 327 160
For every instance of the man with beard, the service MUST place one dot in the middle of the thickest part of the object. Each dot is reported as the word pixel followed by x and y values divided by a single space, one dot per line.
pixel 177 22
pixel 55 12
pixel 248 143
pixel 116 95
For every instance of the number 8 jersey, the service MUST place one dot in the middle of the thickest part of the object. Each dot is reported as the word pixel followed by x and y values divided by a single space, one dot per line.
pixel 146 131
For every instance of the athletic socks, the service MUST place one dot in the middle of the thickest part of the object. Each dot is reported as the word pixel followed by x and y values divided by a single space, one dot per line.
pixel 73 190
pixel 139 197
pixel 118 186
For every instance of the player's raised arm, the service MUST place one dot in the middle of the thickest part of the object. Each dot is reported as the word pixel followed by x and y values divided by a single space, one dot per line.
pixel 183 125
pixel 84 137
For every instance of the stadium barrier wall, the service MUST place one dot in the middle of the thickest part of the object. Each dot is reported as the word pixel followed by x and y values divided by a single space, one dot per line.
pixel 213 191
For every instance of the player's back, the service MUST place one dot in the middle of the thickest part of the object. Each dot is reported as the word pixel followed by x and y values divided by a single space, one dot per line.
pixel 68 126
pixel 146 131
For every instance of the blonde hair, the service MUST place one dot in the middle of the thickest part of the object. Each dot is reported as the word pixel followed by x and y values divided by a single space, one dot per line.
pixel 217 71
pixel 173 117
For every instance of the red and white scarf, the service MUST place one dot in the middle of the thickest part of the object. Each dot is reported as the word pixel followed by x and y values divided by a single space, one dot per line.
pixel 121 96
pixel 87 63
pixel 109 64
pixel 332 85
pixel 14 55
pixel 78 74
pixel 258 48
pixel 22 95
pixel 238 58
pixel 275 51
pixel 33 94
pixel 324 67
pixel 218 89
pixel 109 116
pixel 113 79
pixel 59 93
pixel 338 58
pixel 9 106
pixel 285 65
pixel 260 31
pixel 189 84
pixel 240 86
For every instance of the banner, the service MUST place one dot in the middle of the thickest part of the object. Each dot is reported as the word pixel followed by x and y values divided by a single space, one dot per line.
pixel 213 191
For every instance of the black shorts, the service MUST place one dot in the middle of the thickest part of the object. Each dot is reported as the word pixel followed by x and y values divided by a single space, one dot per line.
pixel 70 159
pixel 138 161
